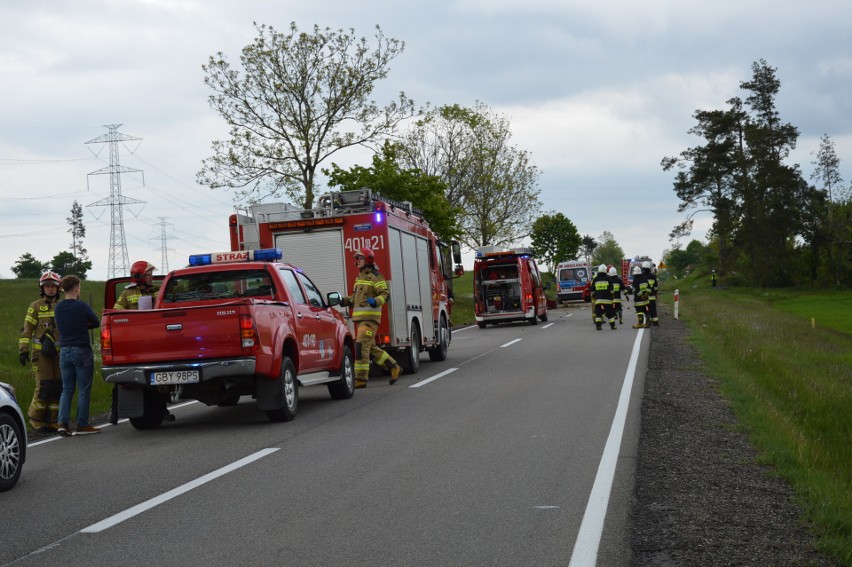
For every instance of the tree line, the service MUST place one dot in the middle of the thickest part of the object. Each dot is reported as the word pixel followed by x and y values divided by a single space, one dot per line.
pixel 71 261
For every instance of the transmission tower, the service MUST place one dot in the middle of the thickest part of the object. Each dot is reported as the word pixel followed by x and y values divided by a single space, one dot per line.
pixel 119 265
pixel 164 248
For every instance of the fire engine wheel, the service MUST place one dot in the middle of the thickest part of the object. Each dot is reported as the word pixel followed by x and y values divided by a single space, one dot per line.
pixel 544 317
pixel 413 363
pixel 439 351
pixel 533 320
pixel 482 324
pixel 290 393
pixel 343 388
pixel 153 411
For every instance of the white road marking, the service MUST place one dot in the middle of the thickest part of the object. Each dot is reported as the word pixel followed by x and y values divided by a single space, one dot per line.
pixel 510 343
pixel 589 537
pixel 156 501
pixel 548 325
pixel 433 378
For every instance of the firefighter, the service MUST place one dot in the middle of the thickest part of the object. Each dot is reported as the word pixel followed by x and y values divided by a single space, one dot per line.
pixel 640 298
pixel 141 285
pixel 368 295
pixel 617 284
pixel 649 272
pixel 602 297
pixel 713 278
pixel 37 343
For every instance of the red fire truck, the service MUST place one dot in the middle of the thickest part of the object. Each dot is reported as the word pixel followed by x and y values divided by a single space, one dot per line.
pixel 417 265
pixel 507 286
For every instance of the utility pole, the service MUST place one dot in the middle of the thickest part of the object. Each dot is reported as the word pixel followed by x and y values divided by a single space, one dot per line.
pixel 119 264
pixel 164 248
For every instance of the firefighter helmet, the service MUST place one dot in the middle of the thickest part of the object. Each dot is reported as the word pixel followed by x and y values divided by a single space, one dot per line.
pixel 612 271
pixel 50 277
pixel 365 253
pixel 139 269
pixel 602 269
pixel 637 270
pixel 646 265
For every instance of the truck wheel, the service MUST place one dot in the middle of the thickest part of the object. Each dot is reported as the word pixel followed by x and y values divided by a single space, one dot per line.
pixel 11 452
pixel 544 317
pixel 344 388
pixel 413 363
pixel 439 351
pixel 482 324
pixel 290 392
pixel 533 320
pixel 154 411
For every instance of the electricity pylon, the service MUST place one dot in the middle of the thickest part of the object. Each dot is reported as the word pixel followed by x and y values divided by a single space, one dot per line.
pixel 119 265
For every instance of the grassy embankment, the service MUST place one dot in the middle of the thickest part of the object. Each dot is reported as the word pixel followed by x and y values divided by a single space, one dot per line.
pixel 784 362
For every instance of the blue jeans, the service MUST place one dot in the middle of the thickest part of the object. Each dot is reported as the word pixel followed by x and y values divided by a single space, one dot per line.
pixel 77 365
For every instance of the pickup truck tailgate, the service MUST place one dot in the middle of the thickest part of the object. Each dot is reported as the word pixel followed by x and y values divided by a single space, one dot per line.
pixel 207 332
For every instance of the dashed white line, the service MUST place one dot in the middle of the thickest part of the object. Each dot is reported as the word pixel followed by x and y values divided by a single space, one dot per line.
pixel 548 325
pixel 433 378
pixel 156 501
pixel 510 343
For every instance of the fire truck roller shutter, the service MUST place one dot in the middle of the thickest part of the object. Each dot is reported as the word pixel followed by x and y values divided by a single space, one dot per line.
pixel 397 312
pixel 319 254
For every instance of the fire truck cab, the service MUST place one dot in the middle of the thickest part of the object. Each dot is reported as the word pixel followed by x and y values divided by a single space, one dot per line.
pixel 417 265
pixel 507 286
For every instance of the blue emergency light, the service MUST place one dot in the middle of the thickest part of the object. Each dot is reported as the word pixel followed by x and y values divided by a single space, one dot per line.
pixel 261 255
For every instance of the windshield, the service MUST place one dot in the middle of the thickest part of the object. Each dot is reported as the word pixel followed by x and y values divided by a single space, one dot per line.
pixel 573 275
pixel 218 285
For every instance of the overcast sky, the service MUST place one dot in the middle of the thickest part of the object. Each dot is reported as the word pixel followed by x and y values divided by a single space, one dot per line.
pixel 597 92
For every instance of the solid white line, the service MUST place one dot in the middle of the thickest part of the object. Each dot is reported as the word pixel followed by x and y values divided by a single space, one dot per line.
pixel 433 378
pixel 548 325
pixel 156 501
pixel 589 538
pixel 511 343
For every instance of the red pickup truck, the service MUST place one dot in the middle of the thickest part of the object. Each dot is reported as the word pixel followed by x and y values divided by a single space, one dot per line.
pixel 232 324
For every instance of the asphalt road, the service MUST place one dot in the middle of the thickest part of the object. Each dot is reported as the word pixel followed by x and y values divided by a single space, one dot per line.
pixel 493 457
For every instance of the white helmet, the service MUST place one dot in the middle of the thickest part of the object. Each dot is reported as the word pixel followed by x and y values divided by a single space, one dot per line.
pixel 612 271
pixel 637 270
pixel 646 265
pixel 602 269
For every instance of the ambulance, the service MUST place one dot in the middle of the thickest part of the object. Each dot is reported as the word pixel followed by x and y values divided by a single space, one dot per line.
pixel 574 280
pixel 418 266
pixel 507 286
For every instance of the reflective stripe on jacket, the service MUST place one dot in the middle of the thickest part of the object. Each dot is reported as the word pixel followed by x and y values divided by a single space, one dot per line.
pixel 38 322
pixel 368 283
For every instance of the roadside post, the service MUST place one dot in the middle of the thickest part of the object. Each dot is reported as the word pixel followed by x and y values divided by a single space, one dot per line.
pixel 676 301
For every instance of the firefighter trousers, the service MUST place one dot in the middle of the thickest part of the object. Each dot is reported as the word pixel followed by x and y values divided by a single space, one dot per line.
pixel 604 310
pixel 365 346
pixel 44 408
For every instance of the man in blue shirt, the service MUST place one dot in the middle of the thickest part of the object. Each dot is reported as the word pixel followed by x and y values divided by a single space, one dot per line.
pixel 74 318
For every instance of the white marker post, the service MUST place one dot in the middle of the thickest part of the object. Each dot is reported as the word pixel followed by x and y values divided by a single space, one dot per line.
pixel 676 301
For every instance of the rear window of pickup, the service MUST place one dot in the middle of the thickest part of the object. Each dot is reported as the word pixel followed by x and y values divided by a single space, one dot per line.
pixel 218 285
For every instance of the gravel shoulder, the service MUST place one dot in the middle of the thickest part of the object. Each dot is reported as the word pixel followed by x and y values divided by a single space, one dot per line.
pixel 700 496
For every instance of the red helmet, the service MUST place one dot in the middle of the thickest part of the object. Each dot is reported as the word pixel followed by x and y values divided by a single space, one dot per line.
pixel 366 253
pixel 138 270
pixel 50 277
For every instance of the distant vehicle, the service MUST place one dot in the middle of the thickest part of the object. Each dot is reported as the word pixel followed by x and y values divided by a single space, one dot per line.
pixel 13 438
pixel 573 279
pixel 232 324
pixel 507 287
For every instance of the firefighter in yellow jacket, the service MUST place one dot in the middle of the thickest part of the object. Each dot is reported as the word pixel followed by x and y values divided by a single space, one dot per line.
pixel 369 294
pixel 37 343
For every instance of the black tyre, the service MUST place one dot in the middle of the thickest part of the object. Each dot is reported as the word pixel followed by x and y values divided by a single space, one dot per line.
pixel 482 324
pixel 533 320
pixel 412 365
pixel 439 351
pixel 344 388
pixel 544 317
pixel 290 391
pixel 154 408
pixel 12 452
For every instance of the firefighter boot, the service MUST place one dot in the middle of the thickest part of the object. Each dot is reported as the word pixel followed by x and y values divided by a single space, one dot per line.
pixel 394 372
pixel 612 326
pixel 640 324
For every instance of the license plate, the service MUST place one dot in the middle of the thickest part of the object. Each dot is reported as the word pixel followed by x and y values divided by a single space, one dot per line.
pixel 175 377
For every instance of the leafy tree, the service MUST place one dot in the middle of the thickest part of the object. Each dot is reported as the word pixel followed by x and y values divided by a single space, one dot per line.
pixel 554 239
pixel 492 183
pixel 388 179
pixel 65 263
pixel 27 267
pixel 300 98
pixel 830 233
pixel 680 260
pixel 587 246
pixel 607 251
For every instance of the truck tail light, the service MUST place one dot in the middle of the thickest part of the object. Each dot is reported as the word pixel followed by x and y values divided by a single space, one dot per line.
pixel 529 298
pixel 106 341
pixel 248 334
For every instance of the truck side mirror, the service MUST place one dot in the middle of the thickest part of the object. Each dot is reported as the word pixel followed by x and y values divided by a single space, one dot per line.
pixel 459 271
pixel 456 248
pixel 333 298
